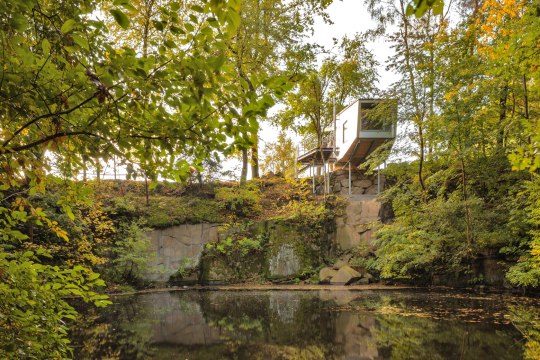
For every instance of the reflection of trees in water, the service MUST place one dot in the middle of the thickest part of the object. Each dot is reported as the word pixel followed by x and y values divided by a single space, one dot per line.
pixel 283 317
pixel 309 325
pixel 409 337
pixel 114 332
pixel 438 326
pixel 526 319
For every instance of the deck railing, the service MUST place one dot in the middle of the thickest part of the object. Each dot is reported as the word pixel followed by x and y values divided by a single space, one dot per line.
pixel 310 142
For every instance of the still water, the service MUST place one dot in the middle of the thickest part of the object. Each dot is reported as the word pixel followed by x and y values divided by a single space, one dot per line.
pixel 320 324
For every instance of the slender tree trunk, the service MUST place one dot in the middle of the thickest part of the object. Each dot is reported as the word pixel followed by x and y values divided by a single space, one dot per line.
pixel 418 113
pixel 421 158
pixel 502 117
pixel 146 191
pixel 468 220
pixel 255 158
pixel 98 170
pixel 114 166
pixel 243 175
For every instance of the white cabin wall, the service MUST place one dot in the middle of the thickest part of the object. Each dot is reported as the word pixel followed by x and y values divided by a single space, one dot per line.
pixel 349 115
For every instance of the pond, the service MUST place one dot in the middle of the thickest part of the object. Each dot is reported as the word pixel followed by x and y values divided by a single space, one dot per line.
pixel 315 324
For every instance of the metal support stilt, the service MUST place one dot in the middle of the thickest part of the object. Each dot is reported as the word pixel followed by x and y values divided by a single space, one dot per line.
pixel 350 185
pixel 313 176
pixel 378 179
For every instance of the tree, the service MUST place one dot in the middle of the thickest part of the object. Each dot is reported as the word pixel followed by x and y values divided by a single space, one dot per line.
pixel 280 157
pixel 466 89
pixel 70 94
pixel 267 50
pixel 342 77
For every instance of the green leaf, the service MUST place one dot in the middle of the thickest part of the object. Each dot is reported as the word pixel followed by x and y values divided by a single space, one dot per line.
pixel 69 212
pixel 170 44
pixel 410 10
pixel 68 26
pixel 438 7
pixel 19 21
pixel 197 8
pixel 125 4
pixel 46 46
pixel 120 18
pixel 158 25
pixel 82 42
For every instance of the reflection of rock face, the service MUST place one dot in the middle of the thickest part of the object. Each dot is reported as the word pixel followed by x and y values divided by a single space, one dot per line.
pixel 354 332
pixel 180 322
pixel 284 305
pixel 299 325
pixel 173 245
pixel 285 262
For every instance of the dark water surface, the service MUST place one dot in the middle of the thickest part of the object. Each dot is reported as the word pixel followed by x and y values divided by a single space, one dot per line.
pixel 321 324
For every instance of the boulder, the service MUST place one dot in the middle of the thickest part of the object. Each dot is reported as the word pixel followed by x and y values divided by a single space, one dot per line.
pixel 339 264
pixel 372 190
pixel 326 274
pixel 345 276
pixel 362 183
pixel 362 281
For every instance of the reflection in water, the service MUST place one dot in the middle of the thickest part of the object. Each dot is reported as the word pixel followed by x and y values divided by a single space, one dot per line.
pixel 309 325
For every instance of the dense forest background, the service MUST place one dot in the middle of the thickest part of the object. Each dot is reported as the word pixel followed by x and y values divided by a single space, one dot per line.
pixel 169 89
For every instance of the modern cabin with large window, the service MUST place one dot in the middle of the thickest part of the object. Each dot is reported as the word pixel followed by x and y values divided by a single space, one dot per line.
pixel 362 127
pixel 359 129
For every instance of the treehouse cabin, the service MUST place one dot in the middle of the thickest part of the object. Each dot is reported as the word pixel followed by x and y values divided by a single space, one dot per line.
pixel 358 130
pixel 362 127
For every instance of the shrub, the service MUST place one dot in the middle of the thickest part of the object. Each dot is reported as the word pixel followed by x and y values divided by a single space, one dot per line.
pixel 243 201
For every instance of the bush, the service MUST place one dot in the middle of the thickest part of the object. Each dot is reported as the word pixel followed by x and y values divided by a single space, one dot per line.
pixel 243 201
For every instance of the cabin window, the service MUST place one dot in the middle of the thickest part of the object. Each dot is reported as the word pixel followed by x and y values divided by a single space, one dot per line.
pixel 345 129
pixel 370 120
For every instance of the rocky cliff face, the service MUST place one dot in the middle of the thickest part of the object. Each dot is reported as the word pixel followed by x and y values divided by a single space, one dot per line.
pixel 361 184
pixel 177 248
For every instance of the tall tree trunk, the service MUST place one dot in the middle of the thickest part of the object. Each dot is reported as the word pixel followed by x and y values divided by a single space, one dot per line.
pixel 98 170
pixel 468 217
pixel 255 158
pixel 503 97
pixel 243 175
pixel 419 116
pixel 146 191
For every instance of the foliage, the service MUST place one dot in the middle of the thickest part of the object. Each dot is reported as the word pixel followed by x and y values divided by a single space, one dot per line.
pixel 347 75
pixel 267 51
pixel 72 96
pixel 526 272
pixel 243 201
pixel 237 243
pixel 280 157
pixel 34 308
pixel 444 234
pixel 129 255
pixel 469 105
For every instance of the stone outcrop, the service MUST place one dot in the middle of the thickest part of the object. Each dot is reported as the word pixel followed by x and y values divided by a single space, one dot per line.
pixel 325 274
pixel 345 275
pixel 175 247
pixel 361 184
pixel 285 263
pixel 355 228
